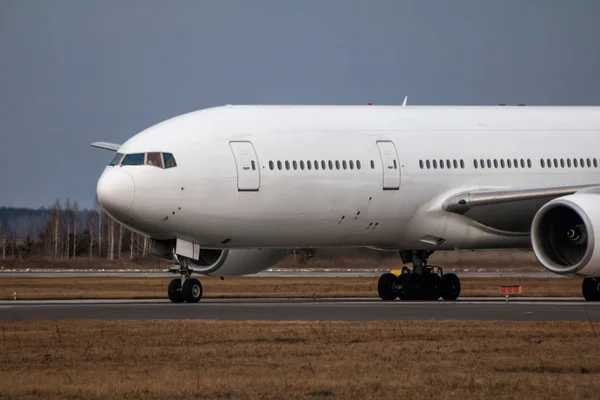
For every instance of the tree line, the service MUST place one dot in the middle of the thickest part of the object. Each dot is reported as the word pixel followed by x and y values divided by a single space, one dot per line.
pixel 65 231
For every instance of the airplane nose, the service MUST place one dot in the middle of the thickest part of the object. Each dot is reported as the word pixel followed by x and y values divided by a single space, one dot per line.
pixel 115 192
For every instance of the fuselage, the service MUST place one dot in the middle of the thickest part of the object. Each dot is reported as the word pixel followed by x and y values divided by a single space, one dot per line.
pixel 321 176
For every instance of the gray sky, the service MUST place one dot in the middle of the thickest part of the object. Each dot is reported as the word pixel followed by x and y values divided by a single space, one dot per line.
pixel 73 72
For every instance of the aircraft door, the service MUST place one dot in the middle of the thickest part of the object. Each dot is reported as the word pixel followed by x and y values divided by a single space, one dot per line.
pixel 390 164
pixel 247 166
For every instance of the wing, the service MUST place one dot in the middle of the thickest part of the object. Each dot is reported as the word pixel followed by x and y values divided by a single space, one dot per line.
pixel 509 210
pixel 106 145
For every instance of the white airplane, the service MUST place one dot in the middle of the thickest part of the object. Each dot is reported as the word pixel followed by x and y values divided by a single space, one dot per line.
pixel 227 191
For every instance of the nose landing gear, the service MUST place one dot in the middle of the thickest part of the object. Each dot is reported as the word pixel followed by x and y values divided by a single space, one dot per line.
pixel 185 288
pixel 423 282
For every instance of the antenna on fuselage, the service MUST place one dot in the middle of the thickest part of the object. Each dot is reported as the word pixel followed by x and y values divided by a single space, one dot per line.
pixel 405 101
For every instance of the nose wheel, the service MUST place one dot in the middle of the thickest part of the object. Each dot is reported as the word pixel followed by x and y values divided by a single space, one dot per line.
pixel 184 289
pixel 190 292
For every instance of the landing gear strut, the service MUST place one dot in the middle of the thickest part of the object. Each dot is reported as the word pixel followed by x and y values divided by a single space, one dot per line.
pixel 184 288
pixel 423 282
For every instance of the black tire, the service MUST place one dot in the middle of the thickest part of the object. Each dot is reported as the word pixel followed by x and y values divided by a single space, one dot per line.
pixel 413 287
pixel 589 288
pixel 433 286
pixel 385 287
pixel 192 290
pixel 175 291
pixel 450 287
pixel 400 286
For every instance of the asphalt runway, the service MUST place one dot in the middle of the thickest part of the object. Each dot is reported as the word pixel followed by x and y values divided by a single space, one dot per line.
pixel 530 309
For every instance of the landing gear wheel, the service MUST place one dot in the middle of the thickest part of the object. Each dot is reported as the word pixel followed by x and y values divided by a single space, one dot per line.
pixel 450 287
pixel 433 286
pixel 175 294
pixel 192 290
pixel 591 289
pixel 385 287
pixel 400 286
pixel 414 287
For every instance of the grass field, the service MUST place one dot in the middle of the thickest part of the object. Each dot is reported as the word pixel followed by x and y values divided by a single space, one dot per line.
pixel 117 288
pixel 299 360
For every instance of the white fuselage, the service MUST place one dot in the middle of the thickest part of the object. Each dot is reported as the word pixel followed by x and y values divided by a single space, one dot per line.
pixel 227 190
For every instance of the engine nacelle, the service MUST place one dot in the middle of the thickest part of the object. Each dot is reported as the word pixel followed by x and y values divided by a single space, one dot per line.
pixel 236 262
pixel 564 235
pixel 219 262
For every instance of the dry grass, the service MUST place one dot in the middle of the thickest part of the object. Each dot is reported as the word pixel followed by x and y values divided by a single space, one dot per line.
pixel 115 288
pixel 352 258
pixel 299 360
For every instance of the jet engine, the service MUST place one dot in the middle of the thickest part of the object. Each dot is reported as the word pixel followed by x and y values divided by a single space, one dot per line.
pixel 565 234
pixel 236 262
pixel 217 262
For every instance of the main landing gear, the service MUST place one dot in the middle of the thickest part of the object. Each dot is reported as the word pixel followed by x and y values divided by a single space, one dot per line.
pixel 423 282
pixel 591 289
pixel 184 289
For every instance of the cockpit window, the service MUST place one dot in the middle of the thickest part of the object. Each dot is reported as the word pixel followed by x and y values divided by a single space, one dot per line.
pixel 154 159
pixel 133 159
pixel 116 159
pixel 169 160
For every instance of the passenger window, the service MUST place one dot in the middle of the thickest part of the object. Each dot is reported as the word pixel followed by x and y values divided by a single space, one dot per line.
pixel 279 165
pixel 421 164
pixel 589 163
pixel 462 164
pixel 301 165
pixel 562 162
pixel 542 163
pixel 495 163
pixel 522 163
pixel 337 164
pixel 358 166
pixel 502 162
pixel 373 164
pixel 323 165
pixel 456 164
pixel 271 165
pixel 595 163
pixel 344 164
pixel 509 163
pixel 154 159
pixel 555 163
pixel 569 162
pixel 549 163
pixel 529 163
pixel 351 164
pixel 169 160
pixel 294 164
pixel 309 164
pixel 489 163
pixel 316 165
pixel 330 165
pixel 428 164
pixel 287 165
pixel 475 164
pixel 581 162
pixel 575 162
pixel 434 164
pixel 441 164
pixel 133 159
pixel 116 159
